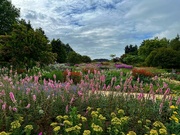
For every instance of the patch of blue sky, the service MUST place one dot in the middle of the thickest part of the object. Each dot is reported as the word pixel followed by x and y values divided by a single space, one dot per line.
pixel 143 36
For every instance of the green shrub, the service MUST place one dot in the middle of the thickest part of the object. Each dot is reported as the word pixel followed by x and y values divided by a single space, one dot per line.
pixel 50 75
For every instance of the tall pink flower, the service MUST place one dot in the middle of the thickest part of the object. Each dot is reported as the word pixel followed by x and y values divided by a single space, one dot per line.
pixel 28 106
pixel 12 97
pixel 36 79
pixel 80 93
pixel 67 108
pixel 178 101
pixel 72 100
pixel 160 107
pixel 4 106
pixel 34 97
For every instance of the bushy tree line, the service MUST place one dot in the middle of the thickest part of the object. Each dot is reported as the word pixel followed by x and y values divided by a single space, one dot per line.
pixel 23 46
pixel 163 53
pixel 66 54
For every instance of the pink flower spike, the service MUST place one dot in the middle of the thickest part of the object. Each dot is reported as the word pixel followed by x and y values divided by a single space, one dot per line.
pixel 34 97
pixel 80 93
pixel 4 106
pixel 28 106
pixel 67 108
pixel 12 97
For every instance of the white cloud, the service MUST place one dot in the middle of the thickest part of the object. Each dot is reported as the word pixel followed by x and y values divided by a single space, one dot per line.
pixel 98 28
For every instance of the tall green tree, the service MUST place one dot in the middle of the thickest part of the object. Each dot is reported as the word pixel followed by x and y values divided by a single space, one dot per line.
pixel 27 47
pixel 175 43
pixel 8 16
pixel 60 49
pixel 86 59
pixel 74 58
pixel 130 49
pixel 149 45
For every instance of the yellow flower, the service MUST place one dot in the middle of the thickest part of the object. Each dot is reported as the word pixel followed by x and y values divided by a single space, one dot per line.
pixel 96 128
pixel 115 121
pixel 159 124
pixel 174 112
pixel 56 129
pixel 65 117
pixel 89 108
pixel 69 129
pixel 124 119
pixel 15 124
pixel 146 127
pixel 79 116
pixel 80 124
pixel 86 132
pixel 121 112
pixel 173 107
pixel 139 122
pixel 153 132
pixel 94 114
pixel 77 127
pixel 173 117
pixel 59 117
pixel 113 115
pixel 67 122
pixel 131 133
pixel 3 133
pixel 84 119
pixel 98 109
pixel 28 128
pixel 54 124
pixel 148 121
pixel 20 119
pixel 162 131
pixel 101 117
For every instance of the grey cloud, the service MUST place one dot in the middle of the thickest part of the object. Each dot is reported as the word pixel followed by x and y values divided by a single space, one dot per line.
pixel 98 28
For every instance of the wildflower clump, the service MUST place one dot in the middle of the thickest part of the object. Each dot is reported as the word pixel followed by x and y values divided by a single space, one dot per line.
pixel 3 133
pixel 15 124
pixel 173 125
pixel 96 128
pixel 158 129
pixel 86 132
pixel 118 122
pixel 28 129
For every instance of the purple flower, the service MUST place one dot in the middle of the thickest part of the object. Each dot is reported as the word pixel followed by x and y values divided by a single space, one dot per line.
pixel 40 133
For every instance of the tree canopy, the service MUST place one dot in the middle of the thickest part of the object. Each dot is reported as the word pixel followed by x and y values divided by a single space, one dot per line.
pixel 8 16
pixel 27 47
pixel 156 52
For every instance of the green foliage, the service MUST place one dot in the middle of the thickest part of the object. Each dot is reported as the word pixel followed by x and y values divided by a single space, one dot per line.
pixel 175 43
pixel 85 59
pixel 147 46
pixel 59 48
pixel 54 75
pixel 74 58
pixel 130 49
pixel 164 57
pixel 27 47
pixel 131 59
pixel 8 16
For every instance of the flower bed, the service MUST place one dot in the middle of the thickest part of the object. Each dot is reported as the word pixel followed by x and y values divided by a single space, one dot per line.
pixel 33 106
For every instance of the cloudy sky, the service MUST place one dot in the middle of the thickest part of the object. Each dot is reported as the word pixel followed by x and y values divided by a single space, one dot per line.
pixel 99 28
